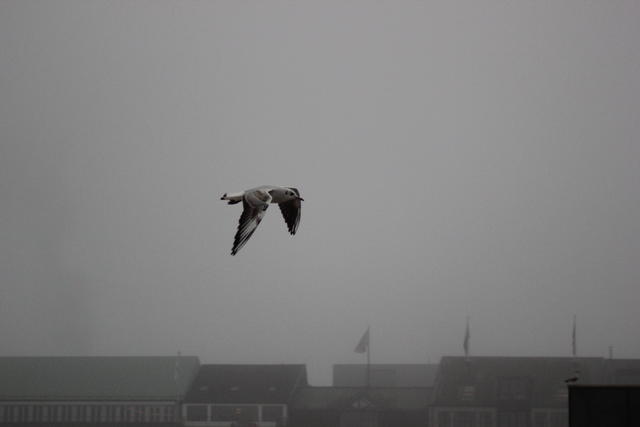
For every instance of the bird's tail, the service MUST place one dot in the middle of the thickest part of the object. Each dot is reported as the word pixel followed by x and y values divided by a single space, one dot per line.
pixel 233 198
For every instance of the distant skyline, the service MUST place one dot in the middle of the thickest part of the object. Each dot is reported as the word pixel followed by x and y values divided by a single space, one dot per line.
pixel 456 158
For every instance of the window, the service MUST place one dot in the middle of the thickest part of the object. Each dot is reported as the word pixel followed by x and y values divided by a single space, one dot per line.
pixel 58 413
pixel 22 413
pixel 157 413
pixel 444 419
pixel 197 413
pixel 88 413
pixel 65 412
pixel 463 419
pixel 130 413
pixel 169 414
pixel 359 419
pixel 558 419
pixel 111 413
pixel 243 413
pixel 552 418
pixel 484 419
pixel 26 413
pixel 140 413
pixel 135 413
pixel 512 419
pixel 540 419
pixel 466 393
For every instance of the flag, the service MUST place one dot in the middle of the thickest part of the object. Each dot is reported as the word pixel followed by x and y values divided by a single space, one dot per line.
pixel 466 340
pixel 363 344
pixel 573 337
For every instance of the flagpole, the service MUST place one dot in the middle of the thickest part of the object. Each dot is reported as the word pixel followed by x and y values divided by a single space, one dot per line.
pixel 362 347
pixel 573 338
pixel 369 359
pixel 466 341
pixel 176 378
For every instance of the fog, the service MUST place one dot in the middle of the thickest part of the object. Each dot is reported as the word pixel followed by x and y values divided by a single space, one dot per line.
pixel 457 159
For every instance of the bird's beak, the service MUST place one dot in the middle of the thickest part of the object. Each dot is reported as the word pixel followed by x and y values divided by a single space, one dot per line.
pixel 301 199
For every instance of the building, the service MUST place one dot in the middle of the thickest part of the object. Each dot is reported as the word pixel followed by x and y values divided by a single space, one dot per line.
pixel 239 395
pixel 178 391
pixel 384 375
pixel 361 407
pixel 87 391
pixel 622 371
pixel 397 394
pixel 508 391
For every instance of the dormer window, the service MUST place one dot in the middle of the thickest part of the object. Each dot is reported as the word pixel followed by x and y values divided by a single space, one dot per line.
pixel 466 393
pixel 362 403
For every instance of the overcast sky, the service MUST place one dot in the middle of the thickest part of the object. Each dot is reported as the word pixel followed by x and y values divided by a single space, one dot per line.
pixel 476 158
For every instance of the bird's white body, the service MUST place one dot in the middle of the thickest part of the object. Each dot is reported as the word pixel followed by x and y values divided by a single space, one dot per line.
pixel 278 194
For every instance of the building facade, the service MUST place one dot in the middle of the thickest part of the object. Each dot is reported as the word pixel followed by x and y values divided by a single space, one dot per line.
pixel 508 391
pixel 384 375
pixel 83 391
pixel 361 407
pixel 243 395
pixel 178 391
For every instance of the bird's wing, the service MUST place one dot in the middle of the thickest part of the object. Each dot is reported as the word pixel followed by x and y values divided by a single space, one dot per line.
pixel 291 213
pixel 254 207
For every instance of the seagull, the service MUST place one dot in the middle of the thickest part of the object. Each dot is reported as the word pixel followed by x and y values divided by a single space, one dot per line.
pixel 255 202
pixel 574 378
pixel 571 380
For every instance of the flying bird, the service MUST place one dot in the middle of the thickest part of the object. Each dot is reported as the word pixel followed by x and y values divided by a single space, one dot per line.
pixel 571 380
pixel 575 378
pixel 255 202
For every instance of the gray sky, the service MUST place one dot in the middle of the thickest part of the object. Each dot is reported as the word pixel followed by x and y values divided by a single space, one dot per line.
pixel 457 158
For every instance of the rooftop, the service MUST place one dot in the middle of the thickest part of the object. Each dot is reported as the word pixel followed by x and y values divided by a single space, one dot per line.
pixel 96 378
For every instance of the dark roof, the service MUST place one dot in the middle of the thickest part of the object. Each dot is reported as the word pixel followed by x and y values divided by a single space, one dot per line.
pixel 95 378
pixel 246 383
pixel 380 398
pixel 604 405
pixel 385 375
pixel 477 381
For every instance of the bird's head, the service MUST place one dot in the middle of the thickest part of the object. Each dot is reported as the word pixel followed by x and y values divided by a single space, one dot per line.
pixel 292 194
